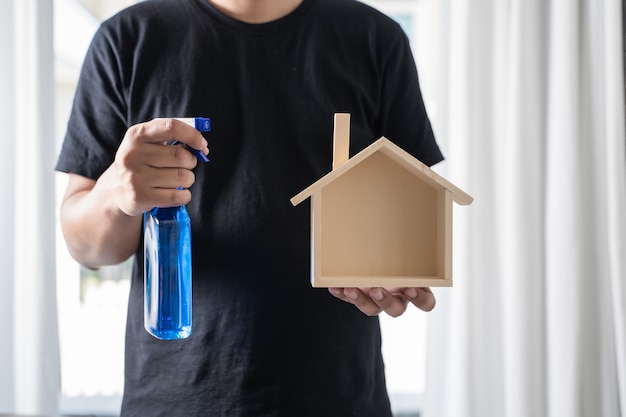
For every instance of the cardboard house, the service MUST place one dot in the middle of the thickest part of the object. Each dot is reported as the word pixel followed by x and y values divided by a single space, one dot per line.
pixel 380 219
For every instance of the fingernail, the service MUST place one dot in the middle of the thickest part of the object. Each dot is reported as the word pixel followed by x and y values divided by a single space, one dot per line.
pixel 377 295
pixel 352 295
pixel 411 292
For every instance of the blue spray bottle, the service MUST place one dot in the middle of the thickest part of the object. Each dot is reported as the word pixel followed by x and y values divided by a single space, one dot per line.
pixel 167 263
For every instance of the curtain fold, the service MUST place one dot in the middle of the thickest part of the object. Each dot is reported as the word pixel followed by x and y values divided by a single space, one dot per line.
pixel 29 381
pixel 533 128
pixel 7 176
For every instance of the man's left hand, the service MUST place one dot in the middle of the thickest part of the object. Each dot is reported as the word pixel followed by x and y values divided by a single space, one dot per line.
pixel 393 301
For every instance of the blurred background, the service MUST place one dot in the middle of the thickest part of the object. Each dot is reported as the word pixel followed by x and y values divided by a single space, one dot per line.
pixel 527 101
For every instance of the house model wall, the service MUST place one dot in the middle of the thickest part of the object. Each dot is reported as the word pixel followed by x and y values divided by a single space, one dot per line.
pixel 380 218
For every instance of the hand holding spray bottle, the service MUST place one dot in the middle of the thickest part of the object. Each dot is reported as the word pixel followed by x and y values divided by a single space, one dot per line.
pixel 167 262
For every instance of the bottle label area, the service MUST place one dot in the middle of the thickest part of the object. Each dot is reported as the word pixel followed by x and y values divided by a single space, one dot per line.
pixel 167 273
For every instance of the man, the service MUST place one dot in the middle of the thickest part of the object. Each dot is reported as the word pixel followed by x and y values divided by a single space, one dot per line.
pixel 270 74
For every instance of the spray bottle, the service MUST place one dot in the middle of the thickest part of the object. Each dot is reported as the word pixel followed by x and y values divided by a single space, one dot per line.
pixel 167 263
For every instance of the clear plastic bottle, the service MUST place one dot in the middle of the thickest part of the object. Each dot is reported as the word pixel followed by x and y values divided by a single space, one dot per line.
pixel 167 273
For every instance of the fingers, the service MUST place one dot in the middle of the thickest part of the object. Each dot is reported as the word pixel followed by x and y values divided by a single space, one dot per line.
pixel 169 178
pixel 393 301
pixel 172 156
pixel 373 301
pixel 422 298
pixel 143 144
pixel 357 297
pixel 148 173
pixel 140 191
pixel 162 130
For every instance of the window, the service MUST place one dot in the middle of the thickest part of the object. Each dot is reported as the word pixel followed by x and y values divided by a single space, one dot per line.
pixel 92 304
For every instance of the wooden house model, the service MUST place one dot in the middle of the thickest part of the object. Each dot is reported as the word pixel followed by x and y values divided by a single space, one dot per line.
pixel 380 219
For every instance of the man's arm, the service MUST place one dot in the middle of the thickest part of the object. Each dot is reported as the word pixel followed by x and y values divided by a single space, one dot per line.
pixel 96 231
pixel 101 219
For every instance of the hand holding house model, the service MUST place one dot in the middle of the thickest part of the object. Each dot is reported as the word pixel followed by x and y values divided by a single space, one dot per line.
pixel 380 219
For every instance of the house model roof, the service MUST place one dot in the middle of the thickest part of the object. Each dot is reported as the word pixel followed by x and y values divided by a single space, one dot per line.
pixel 401 157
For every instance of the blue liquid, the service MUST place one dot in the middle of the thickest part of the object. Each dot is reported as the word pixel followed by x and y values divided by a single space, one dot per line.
pixel 167 273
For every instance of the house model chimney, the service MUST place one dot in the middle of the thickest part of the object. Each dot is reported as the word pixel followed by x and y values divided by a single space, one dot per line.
pixel 341 139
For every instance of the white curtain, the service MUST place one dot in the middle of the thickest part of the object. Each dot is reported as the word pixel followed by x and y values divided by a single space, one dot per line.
pixel 533 127
pixel 29 368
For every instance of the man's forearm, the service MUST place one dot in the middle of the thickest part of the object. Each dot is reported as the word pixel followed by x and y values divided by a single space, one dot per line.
pixel 96 231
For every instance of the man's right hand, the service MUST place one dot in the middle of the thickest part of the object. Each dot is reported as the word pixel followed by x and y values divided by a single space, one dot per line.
pixel 101 219
pixel 149 174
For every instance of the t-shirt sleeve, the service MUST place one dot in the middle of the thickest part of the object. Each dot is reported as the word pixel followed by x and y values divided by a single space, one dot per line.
pixel 403 117
pixel 97 120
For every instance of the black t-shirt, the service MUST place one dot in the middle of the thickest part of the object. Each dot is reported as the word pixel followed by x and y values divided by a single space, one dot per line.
pixel 264 342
